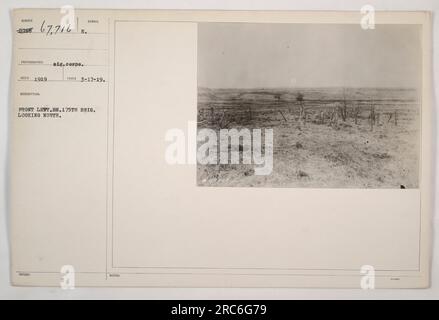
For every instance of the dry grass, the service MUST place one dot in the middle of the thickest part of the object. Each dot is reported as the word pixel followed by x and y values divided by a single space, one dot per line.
pixel 317 153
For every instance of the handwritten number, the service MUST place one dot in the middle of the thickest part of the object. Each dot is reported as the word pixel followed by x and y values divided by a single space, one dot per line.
pixel 50 29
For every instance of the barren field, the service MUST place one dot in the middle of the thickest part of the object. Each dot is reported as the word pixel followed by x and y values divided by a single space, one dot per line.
pixel 323 137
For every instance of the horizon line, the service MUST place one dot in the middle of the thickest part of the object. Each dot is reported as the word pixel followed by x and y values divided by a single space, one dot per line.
pixel 316 87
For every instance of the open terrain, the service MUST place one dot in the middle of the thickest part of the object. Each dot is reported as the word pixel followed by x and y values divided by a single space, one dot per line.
pixel 323 137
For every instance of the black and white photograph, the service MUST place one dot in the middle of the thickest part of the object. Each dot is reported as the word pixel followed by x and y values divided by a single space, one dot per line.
pixel 343 103
pixel 221 151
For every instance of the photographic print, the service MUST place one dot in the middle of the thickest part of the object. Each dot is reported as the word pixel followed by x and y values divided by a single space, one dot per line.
pixel 330 105
pixel 220 149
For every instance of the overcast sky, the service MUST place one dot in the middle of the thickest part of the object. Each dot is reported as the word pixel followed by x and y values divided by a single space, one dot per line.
pixel 239 55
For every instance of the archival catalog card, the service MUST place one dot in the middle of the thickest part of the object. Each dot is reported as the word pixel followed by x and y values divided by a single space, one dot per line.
pixel 220 149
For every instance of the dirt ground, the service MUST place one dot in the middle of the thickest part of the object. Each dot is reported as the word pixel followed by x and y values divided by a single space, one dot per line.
pixel 310 149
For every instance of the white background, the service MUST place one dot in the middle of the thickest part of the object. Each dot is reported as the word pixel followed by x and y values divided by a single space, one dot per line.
pixel 9 292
